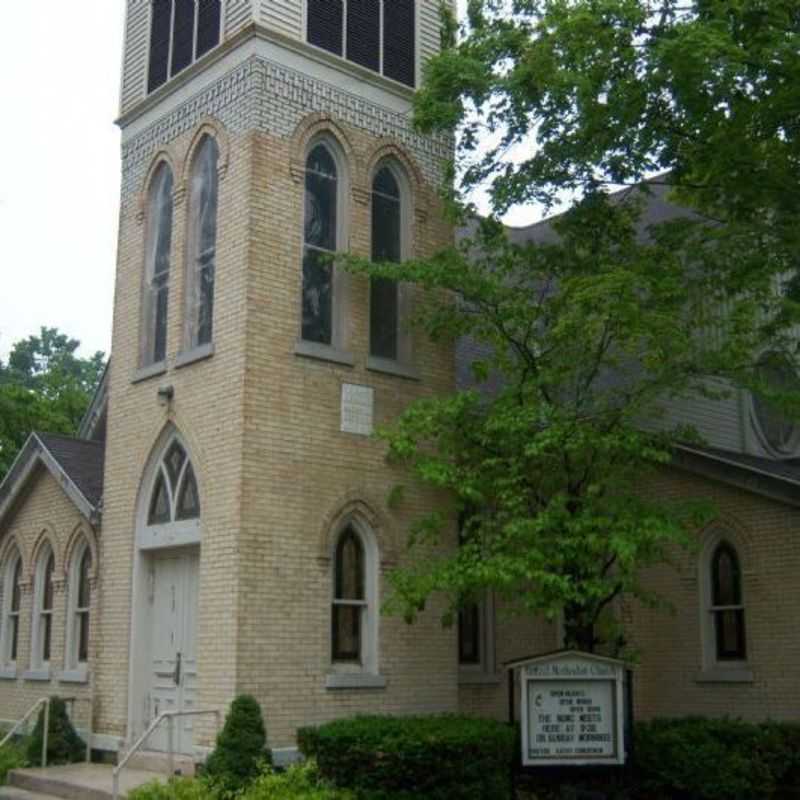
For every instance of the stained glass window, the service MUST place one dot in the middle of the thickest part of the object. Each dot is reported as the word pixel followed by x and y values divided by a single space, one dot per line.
pixel 13 620
pixel 776 427
pixel 159 503
pixel 386 246
pixel 159 254
pixel 203 244
pixel 320 237
pixel 82 607
pixel 188 499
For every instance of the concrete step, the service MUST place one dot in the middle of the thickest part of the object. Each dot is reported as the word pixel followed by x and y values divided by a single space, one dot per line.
pixel 79 781
pixel 152 761
pixel 12 793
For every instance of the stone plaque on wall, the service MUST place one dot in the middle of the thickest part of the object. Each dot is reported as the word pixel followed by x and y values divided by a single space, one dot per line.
pixel 358 404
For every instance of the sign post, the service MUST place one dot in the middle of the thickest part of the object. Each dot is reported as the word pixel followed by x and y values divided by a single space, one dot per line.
pixel 572 709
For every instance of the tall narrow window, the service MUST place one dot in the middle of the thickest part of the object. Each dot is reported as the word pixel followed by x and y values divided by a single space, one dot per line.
pixel 77 649
pixel 181 31
pixel 399 40
pixel 202 248
pixel 43 610
pixel 386 246
pixel 727 608
pixel 159 248
pixel 349 598
pixel 469 635
pixel 12 603
pixel 364 33
pixel 320 242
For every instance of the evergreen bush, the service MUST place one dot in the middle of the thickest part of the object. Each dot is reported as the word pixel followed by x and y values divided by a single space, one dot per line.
pixel 424 758
pixel 12 756
pixel 241 748
pixel 64 746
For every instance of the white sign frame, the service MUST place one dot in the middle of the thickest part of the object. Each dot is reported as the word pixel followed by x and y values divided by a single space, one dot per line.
pixel 572 666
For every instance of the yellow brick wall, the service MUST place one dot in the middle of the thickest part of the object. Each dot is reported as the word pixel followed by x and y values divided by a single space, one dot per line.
pixel 45 512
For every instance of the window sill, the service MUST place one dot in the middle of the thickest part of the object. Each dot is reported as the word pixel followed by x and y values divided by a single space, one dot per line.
pixel 354 680
pixel 390 367
pixel 476 678
pixel 199 353
pixel 150 371
pixel 323 352
pixel 37 674
pixel 79 675
pixel 8 673
pixel 725 675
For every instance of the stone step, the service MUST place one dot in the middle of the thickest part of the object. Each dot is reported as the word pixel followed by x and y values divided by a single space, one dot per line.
pixel 79 781
pixel 151 761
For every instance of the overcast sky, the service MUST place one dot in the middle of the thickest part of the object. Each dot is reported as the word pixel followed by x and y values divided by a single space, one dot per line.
pixel 59 168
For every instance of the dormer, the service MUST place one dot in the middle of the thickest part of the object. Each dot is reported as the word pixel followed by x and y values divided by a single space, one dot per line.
pixel 380 42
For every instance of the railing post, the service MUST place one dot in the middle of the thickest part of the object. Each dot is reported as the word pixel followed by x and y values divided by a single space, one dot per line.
pixel 46 730
pixel 115 786
pixel 171 744
pixel 89 728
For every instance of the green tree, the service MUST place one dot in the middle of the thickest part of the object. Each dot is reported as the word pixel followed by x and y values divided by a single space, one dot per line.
pixel 44 386
pixel 592 335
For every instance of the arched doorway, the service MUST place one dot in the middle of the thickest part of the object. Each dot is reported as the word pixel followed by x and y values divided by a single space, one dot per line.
pixel 166 586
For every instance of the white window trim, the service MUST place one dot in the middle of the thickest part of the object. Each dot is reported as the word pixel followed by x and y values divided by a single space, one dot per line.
pixel 366 674
pixel 485 671
pixel 39 667
pixel 340 281
pixel 74 668
pixel 9 666
pixel 713 669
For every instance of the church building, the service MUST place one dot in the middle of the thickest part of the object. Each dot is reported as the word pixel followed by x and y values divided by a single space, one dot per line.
pixel 220 524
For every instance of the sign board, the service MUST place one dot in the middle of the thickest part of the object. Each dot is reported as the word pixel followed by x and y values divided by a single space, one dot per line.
pixel 358 404
pixel 572 708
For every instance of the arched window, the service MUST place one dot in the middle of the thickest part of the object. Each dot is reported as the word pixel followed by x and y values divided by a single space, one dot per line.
pixel 202 245
pixel 320 241
pixel 158 255
pixel 727 607
pixel 387 237
pixel 349 598
pixel 12 603
pixel 181 31
pixel 43 610
pixel 77 650
pixel 174 497
pixel 778 432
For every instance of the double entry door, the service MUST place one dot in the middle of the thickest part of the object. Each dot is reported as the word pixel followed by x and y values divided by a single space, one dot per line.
pixel 173 658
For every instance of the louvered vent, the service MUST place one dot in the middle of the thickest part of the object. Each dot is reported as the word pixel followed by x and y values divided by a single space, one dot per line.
pixel 159 43
pixel 182 35
pixel 325 24
pixel 399 30
pixel 364 33
pixel 208 25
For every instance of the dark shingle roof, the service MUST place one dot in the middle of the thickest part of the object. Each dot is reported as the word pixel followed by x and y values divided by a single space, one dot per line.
pixel 82 460
pixel 786 470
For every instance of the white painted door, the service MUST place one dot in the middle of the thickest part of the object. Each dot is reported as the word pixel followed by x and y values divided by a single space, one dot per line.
pixel 173 660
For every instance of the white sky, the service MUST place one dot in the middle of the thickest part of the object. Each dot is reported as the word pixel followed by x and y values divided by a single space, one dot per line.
pixel 60 168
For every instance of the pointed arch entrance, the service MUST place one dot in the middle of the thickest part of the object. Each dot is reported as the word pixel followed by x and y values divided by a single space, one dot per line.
pixel 166 592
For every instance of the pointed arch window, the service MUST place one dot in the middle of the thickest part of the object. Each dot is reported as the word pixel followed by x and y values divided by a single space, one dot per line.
pixel 350 604
pixel 320 242
pixel 174 497
pixel 727 607
pixel 387 237
pixel 202 246
pixel 158 256
pixel 181 31
pixel 43 588
pixel 79 609
pixel 12 604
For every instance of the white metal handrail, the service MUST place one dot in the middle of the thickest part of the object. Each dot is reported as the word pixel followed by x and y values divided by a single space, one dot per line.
pixel 170 717
pixel 45 729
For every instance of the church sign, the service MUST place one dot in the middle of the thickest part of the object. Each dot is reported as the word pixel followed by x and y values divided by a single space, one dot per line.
pixel 572 709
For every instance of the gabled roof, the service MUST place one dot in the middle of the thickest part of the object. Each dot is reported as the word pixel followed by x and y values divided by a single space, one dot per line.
pixel 76 464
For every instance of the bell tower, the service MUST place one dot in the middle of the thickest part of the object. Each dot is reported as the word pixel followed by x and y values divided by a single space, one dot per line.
pixel 257 137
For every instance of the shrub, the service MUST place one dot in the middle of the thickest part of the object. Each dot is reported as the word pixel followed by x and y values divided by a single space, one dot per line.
pixel 302 782
pixel 723 759
pixel 426 757
pixel 241 747
pixel 12 756
pixel 175 789
pixel 64 746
